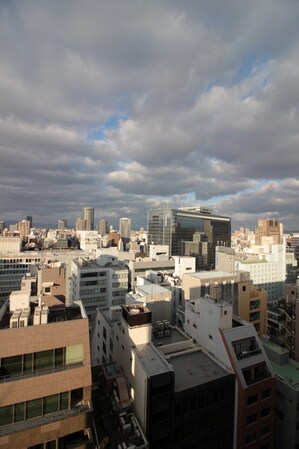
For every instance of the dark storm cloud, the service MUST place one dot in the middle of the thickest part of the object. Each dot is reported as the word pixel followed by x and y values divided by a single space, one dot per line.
pixel 207 98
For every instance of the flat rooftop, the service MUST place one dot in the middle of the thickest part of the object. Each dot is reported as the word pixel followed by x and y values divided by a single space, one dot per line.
pixel 175 336
pixel 153 362
pixel 195 368
pixel 151 289
pixel 55 315
pixel 288 373
pixel 211 274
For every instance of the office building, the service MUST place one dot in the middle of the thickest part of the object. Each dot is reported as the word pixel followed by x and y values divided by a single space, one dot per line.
pixel 103 227
pixel 2 226
pixel 189 232
pixel 181 396
pixel 88 216
pixel 99 282
pixel 62 224
pixel 267 269
pixel 270 229
pixel 125 228
pixel 24 228
pixel 45 383
pixel 249 302
pixel 29 218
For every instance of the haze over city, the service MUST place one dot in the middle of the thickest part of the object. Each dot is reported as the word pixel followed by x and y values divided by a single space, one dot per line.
pixel 129 105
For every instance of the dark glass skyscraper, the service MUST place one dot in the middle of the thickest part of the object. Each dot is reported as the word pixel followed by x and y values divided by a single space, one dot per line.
pixel 189 231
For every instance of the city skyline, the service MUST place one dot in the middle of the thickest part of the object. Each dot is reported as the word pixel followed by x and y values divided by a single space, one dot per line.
pixel 127 106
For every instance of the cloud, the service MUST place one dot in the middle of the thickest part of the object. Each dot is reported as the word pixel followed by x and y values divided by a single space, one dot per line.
pixel 126 105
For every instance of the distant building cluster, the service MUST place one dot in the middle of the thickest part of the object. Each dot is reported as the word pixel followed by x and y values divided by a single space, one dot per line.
pixel 182 335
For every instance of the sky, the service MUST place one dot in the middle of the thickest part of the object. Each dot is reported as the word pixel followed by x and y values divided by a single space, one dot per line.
pixel 127 105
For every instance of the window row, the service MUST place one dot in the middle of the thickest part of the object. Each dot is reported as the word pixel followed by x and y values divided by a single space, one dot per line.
pixel 37 362
pixel 35 408
pixel 254 398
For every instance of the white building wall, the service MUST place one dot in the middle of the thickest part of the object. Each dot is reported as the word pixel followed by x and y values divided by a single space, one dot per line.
pixel 202 323
pixel 10 244
pixel 184 265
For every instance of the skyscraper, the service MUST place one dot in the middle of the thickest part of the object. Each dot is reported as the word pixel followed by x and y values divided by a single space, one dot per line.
pixel 88 216
pixel 125 228
pixel 102 227
pixel 189 231
pixel 62 224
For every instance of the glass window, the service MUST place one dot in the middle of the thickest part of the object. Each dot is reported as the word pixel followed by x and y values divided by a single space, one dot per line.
pixel 265 412
pixel 28 362
pixel 11 365
pixel 50 404
pixel 6 415
pixel 59 356
pixel 266 393
pixel 43 360
pixel 252 399
pixel 64 400
pixel 19 412
pixel 34 408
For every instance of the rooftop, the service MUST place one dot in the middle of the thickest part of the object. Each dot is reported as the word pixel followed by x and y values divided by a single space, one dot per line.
pixel 194 368
pixel 174 336
pixel 153 362
pixel 288 373
pixel 54 314
pixel 149 289
pixel 211 274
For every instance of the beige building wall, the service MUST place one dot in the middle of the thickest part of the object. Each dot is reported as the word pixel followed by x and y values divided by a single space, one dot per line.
pixel 252 306
pixel 42 337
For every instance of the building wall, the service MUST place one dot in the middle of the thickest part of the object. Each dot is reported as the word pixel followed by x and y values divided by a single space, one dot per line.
pixel 36 338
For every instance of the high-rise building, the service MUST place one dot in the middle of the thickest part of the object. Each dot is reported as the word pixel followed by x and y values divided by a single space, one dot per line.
pixel 102 227
pixel 2 226
pixel 189 232
pixel 62 224
pixel 268 228
pixel 24 228
pixel 88 216
pixel 125 228
pixel 29 218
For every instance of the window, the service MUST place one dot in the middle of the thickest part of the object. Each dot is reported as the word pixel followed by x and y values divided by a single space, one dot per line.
pixel 50 404
pixel 43 360
pixel 252 399
pixel 265 430
pixel 265 412
pixel 6 415
pixel 251 419
pixel 251 438
pixel 34 408
pixel 266 393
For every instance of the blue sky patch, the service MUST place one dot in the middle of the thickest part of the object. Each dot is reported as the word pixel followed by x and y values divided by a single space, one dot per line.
pixel 112 122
